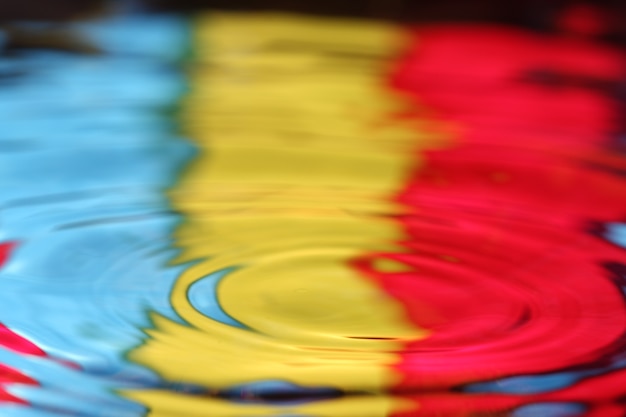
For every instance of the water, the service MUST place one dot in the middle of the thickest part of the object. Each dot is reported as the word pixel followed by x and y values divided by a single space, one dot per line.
pixel 273 215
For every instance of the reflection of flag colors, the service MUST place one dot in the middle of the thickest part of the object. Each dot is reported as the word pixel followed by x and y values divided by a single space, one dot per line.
pixel 486 247
pixel 300 159
pixel 459 237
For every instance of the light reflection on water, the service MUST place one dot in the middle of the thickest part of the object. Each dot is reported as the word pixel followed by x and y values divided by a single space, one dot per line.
pixel 264 228
pixel 88 149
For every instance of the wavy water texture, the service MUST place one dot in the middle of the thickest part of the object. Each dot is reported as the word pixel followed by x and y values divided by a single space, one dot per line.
pixel 299 159
pixel 514 261
pixel 87 147
pixel 291 221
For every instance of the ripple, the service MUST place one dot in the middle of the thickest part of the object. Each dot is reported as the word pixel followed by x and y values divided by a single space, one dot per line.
pixel 333 248
pixel 499 262
pixel 90 229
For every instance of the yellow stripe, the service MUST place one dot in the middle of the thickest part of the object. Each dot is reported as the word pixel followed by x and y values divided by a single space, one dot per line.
pixel 298 161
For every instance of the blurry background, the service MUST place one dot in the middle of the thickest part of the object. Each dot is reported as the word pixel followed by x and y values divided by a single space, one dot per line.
pixel 605 19
pixel 535 13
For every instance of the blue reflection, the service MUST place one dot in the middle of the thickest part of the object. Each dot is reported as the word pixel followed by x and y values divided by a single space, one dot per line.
pixel 530 384
pixel 164 37
pixel 550 410
pixel 202 295
pixel 616 233
pixel 539 384
pixel 86 151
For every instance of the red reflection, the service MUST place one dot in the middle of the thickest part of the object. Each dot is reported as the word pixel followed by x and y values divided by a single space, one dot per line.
pixel 500 265
pixel 5 251
pixel 16 343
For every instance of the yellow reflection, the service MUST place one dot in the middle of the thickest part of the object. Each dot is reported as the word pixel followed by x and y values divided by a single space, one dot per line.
pixel 167 404
pixel 299 160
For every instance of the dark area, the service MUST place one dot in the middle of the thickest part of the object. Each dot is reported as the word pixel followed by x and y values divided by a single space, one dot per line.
pixel 49 9
pixel 527 12
pixel 541 15
pixel 530 12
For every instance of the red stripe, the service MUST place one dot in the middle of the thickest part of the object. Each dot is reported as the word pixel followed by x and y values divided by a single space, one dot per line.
pixel 500 264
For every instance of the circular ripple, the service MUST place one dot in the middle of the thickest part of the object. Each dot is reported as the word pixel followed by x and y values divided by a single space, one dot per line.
pixel 504 274
pixel 498 262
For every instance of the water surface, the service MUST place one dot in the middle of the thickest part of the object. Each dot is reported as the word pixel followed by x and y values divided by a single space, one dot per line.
pixel 276 215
